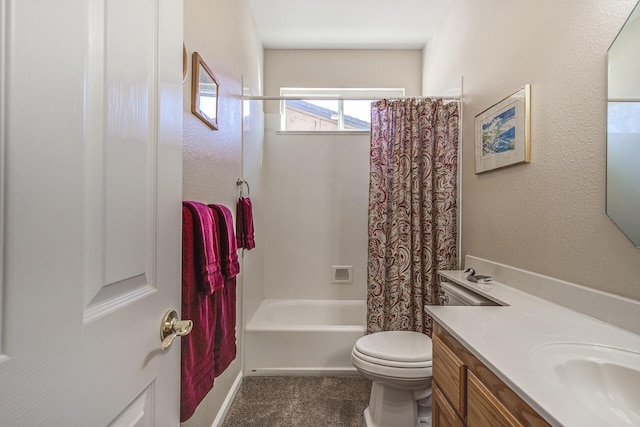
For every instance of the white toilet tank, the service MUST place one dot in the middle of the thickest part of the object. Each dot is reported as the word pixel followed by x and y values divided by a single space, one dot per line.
pixel 453 294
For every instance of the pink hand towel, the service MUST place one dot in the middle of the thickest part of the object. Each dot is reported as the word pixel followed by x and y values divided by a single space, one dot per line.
pixel 240 228
pixel 250 242
pixel 228 245
pixel 209 270
pixel 197 348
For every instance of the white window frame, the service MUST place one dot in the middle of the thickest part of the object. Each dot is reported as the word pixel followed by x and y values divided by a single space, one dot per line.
pixel 340 94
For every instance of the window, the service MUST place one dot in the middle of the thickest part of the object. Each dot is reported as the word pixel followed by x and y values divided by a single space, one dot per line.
pixel 325 109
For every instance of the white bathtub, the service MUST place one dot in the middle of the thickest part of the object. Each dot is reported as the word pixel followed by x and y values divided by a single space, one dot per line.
pixel 303 337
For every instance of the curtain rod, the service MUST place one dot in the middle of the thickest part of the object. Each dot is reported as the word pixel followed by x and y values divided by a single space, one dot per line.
pixel 331 98
pixel 623 100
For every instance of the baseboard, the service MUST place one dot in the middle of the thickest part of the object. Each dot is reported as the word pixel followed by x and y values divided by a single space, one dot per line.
pixel 301 372
pixel 226 405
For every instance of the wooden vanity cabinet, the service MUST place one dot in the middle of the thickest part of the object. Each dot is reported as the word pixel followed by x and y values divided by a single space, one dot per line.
pixel 467 393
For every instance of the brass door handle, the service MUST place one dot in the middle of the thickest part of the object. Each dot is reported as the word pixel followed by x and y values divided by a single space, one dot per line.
pixel 171 327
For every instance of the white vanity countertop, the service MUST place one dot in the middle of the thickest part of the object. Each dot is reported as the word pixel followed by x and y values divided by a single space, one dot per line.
pixel 505 337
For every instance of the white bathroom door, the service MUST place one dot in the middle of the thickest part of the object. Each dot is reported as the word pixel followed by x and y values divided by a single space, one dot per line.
pixel 90 215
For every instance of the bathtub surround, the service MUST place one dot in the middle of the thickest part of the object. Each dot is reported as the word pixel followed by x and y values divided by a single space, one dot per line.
pixel 299 402
pixel 412 209
pixel 316 184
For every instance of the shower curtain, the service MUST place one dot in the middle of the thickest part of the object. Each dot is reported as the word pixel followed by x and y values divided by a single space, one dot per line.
pixel 412 209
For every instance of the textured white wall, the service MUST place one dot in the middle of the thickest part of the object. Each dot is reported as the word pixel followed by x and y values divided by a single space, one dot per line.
pixel 224 33
pixel 317 186
pixel 547 216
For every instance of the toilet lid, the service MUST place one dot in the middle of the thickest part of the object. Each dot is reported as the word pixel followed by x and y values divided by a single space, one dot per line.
pixel 397 346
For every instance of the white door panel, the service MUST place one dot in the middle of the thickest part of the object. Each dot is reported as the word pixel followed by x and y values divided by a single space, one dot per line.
pixel 42 169
pixel 91 114
pixel 123 149
pixel 129 94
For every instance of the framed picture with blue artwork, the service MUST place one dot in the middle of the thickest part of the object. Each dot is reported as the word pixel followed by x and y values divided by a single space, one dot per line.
pixel 503 133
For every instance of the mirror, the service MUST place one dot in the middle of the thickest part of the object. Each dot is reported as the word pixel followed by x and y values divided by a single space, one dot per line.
pixel 623 129
pixel 204 92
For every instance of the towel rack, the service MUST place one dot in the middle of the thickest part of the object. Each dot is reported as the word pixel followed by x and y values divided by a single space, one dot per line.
pixel 240 183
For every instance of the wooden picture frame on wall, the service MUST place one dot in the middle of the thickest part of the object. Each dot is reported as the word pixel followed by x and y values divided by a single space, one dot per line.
pixel 503 132
pixel 204 92
pixel 184 63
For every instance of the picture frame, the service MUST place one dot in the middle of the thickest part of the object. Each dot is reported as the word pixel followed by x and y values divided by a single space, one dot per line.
pixel 503 132
pixel 204 92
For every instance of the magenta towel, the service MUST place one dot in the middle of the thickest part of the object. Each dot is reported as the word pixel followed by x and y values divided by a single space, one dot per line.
pixel 228 246
pixel 244 224
pixel 209 269
pixel 250 242
pixel 197 348
pixel 240 228
pixel 225 337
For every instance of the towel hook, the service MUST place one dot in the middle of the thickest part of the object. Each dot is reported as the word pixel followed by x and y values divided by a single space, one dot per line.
pixel 240 182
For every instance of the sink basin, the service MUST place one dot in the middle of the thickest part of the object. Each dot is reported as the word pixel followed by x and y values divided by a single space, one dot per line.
pixel 605 380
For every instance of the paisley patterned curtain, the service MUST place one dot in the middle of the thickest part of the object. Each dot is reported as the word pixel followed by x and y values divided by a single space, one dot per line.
pixel 412 209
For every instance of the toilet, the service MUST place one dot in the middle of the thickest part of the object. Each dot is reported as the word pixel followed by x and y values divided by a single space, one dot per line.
pixel 399 364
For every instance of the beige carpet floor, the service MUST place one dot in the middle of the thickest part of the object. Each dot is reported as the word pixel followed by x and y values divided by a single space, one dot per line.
pixel 308 401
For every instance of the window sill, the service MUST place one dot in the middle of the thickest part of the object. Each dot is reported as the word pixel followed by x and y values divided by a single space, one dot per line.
pixel 322 132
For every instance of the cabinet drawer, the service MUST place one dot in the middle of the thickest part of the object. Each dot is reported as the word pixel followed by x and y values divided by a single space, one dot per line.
pixel 484 409
pixel 443 414
pixel 449 373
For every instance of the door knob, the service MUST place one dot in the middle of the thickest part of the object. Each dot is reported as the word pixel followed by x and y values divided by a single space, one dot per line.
pixel 171 327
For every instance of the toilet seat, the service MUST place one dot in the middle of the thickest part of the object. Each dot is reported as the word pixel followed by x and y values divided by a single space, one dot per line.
pixel 402 349
pixel 379 369
pixel 391 363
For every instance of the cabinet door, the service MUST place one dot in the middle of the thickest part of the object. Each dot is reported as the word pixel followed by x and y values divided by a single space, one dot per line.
pixel 443 414
pixel 484 409
pixel 449 373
